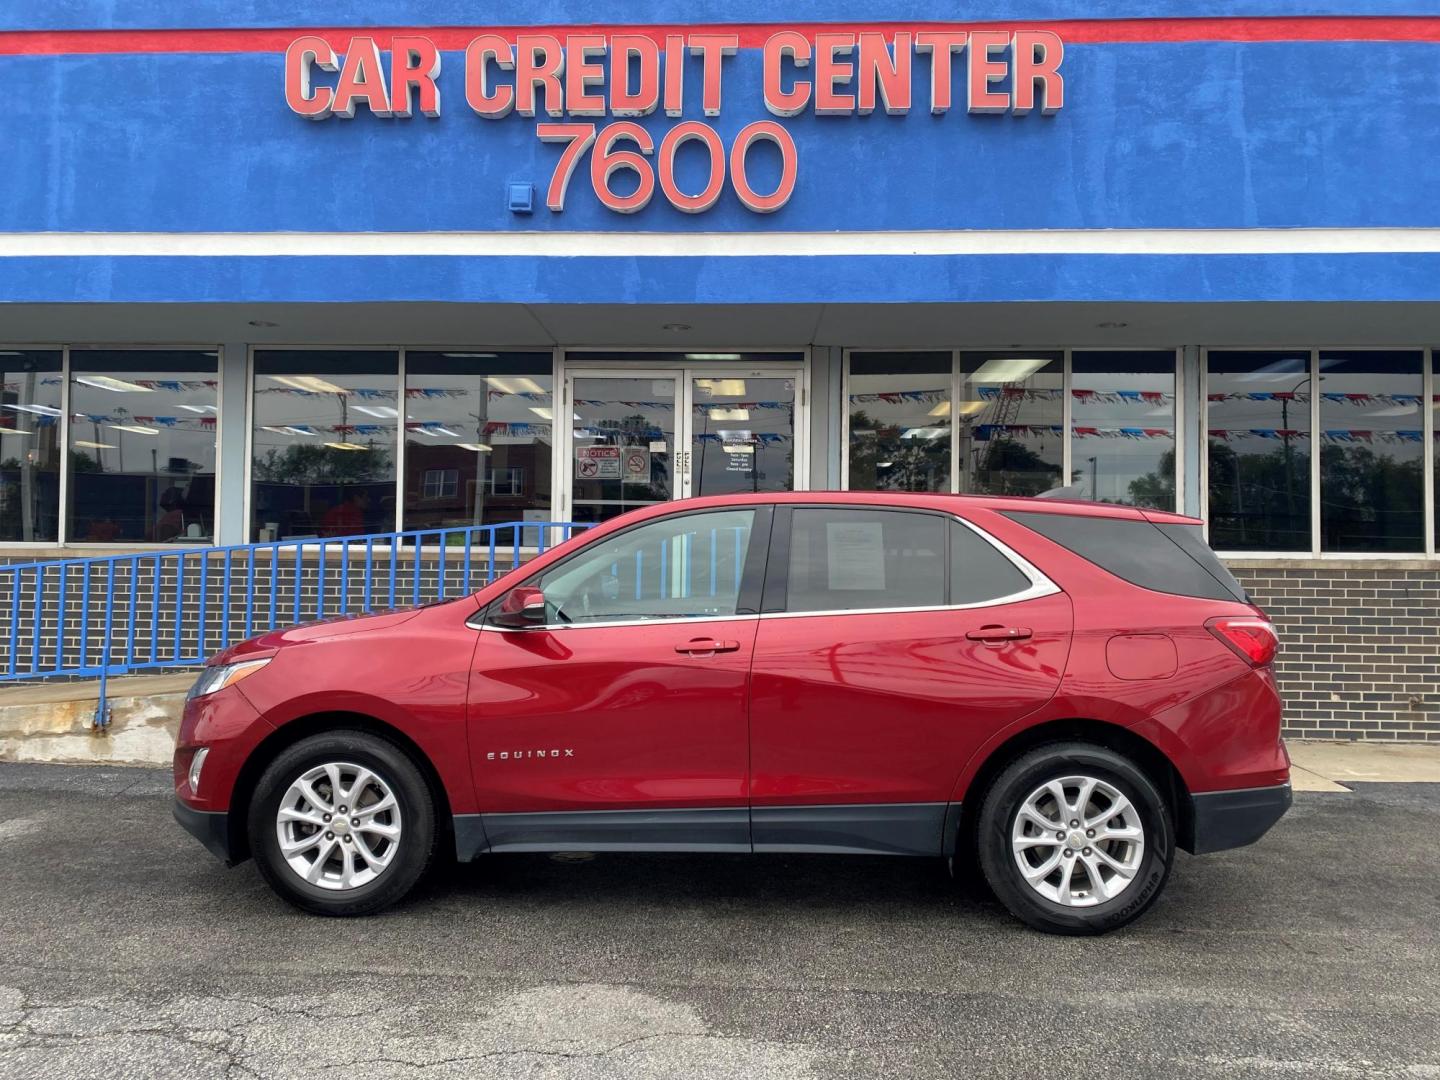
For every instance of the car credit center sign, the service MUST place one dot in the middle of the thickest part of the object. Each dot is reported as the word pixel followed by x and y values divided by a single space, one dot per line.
pixel 830 74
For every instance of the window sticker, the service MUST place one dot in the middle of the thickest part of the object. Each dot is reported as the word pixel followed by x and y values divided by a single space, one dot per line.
pixel 855 555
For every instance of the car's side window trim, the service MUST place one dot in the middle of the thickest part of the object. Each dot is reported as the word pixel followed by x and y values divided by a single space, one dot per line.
pixel 751 577
pixel 776 595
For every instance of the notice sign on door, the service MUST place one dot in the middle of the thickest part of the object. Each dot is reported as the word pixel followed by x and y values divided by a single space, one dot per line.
pixel 636 465
pixel 597 462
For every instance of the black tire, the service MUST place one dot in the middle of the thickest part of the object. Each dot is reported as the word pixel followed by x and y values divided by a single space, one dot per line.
pixel 416 845
pixel 1002 803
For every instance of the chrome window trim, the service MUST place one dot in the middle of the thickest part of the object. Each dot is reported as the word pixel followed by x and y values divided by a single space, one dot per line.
pixel 1040 585
pixel 644 620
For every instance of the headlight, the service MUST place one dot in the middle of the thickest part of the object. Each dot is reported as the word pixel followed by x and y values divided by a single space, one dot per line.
pixel 196 764
pixel 218 678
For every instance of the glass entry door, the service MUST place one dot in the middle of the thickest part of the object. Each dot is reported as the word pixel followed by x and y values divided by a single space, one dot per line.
pixel 624 441
pixel 742 433
pixel 640 436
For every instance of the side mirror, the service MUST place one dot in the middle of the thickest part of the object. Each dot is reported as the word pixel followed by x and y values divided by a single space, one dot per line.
pixel 522 607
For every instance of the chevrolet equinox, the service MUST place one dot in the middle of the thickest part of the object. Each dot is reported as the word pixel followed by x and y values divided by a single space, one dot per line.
pixel 1060 693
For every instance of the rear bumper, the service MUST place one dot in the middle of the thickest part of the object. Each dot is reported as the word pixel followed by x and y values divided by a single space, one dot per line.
pixel 1220 820
pixel 210 827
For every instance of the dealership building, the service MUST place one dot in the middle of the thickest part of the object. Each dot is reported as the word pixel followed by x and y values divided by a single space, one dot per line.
pixel 262 281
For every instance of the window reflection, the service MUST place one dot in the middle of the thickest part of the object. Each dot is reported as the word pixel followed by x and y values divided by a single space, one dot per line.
pixel 624 437
pixel 900 421
pixel 142 445
pixel 1011 422
pixel 478 438
pixel 1122 416
pixel 324 443
pixel 1259 450
pixel 30 414
pixel 742 435
pixel 1372 451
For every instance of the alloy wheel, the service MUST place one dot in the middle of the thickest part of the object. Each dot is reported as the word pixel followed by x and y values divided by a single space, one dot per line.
pixel 339 826
pixel 1078 841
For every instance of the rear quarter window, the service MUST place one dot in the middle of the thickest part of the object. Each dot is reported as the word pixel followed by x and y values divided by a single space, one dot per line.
pixel 1166 558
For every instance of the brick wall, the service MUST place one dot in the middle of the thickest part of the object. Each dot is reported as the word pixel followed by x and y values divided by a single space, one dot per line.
pixel 157 612
pixel 1359 645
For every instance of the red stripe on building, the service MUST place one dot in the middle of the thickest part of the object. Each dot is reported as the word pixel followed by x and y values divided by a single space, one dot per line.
pixel 751 35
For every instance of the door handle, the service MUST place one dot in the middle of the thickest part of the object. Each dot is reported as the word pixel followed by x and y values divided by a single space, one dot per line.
pixel 998 635
pixel 706 646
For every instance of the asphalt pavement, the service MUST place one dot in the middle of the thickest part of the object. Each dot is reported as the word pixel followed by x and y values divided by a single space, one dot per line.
pixel 126 951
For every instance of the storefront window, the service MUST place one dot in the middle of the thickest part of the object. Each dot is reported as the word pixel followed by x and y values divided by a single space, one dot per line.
pixel 30 386
pixel 1372 451
pixel 142 445
pixel 900 421
pixel 324 443
pixel 1259 450
pixel 1013 441
pixel 1123 426
pixel 478 438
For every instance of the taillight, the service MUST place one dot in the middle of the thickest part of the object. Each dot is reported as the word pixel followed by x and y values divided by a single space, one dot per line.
pixel 1251 638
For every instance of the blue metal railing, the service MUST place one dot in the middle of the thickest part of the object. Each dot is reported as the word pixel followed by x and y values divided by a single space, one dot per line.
pixel 120 614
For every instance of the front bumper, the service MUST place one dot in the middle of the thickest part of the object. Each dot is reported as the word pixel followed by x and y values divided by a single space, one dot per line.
pixel 210 827
pixel 1220 820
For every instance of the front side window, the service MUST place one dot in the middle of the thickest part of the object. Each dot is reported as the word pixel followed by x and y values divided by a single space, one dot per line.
pixel 324 443
pixel 487 421
pixel 142 445
pixel 858 559
pixel 678 567
pixel 30 415
pixel 1122 426
pixel 900 421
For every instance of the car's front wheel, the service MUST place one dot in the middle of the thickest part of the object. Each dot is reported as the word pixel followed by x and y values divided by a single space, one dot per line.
pixel 1074 838
pixel 342 823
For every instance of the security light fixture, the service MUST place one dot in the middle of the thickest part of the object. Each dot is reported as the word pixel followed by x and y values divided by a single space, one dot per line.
pixel 723 387
pixel 309 383
pixel 1006 369
pixel 119 386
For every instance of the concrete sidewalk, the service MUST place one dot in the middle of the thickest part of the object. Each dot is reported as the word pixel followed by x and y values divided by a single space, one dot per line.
pixel 1326 765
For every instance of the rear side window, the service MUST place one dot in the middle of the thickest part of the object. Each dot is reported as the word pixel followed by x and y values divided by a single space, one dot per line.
pixel 1191 540
pixel 1167 558
pixel 855 559
pixel 978 572
pixel 859 559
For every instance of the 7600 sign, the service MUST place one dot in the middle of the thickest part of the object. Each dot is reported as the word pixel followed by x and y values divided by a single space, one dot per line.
pixel 626 146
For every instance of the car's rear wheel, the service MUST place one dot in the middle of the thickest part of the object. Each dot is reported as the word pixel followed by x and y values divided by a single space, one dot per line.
pixel 1074 838
pixel 342 823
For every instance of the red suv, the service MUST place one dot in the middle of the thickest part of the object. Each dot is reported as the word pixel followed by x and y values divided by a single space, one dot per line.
pixel 1066 692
